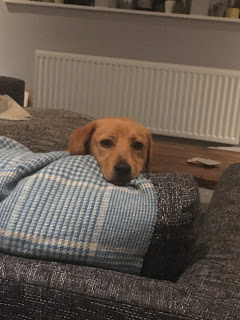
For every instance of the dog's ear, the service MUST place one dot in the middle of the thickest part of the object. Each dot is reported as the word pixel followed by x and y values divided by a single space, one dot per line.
pixel 79 142
pixel 150 153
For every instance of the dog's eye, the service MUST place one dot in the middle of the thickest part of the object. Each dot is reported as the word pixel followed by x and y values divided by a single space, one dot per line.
pixel 106 143
pixel 137 145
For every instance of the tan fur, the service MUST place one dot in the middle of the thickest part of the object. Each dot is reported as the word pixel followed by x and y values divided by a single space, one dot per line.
pixel 122 133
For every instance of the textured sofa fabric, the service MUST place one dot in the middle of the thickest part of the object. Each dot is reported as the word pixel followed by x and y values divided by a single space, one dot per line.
pixel 13 87
pixel 175 230
pixel 209 288
pixel 48 130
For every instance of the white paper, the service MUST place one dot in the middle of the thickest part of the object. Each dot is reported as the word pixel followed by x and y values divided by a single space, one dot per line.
pixel 204 162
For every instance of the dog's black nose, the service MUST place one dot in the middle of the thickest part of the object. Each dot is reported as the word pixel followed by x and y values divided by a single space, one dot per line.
pixel 122 169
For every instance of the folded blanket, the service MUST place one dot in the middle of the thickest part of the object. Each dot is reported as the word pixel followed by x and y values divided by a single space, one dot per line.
pixel 60 207
pixel 11 110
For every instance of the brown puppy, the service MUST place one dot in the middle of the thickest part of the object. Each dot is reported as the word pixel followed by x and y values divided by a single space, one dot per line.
pixel 122 147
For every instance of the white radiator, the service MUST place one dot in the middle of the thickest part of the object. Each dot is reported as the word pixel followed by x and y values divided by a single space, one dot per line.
pixel 175 100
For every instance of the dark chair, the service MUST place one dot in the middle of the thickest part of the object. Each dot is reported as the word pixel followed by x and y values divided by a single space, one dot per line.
pixel 14 88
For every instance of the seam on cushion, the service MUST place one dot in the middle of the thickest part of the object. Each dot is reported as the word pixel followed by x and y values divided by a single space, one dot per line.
pixel 150 311
pixel 221 300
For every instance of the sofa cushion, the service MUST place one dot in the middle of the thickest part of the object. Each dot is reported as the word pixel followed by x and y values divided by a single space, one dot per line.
pixel 60 207
pixel 48 130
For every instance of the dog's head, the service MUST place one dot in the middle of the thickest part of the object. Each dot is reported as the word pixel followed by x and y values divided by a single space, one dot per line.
pixel 122 147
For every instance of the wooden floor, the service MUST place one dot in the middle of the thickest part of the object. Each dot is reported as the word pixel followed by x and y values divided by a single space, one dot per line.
pixel 172 157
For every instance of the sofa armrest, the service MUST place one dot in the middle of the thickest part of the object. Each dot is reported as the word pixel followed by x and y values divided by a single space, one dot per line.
pixel 174 232
pixel 218 244
pixel 215 267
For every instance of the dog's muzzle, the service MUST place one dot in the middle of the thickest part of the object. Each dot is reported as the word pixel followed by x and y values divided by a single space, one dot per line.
pixel 122 173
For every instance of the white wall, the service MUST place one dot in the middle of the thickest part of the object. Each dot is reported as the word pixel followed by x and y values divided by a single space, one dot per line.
pixel 126 36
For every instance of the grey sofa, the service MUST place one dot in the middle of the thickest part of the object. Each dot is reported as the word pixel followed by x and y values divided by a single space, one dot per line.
pixel 207 288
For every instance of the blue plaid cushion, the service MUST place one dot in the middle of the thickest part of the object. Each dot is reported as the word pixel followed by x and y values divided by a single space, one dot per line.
pixel 59 207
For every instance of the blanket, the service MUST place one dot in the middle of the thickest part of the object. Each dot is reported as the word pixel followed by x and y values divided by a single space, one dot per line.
pixel 59 207
pixel 11 110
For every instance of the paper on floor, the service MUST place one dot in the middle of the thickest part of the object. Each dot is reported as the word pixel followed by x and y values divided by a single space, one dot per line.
pixel 204 162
